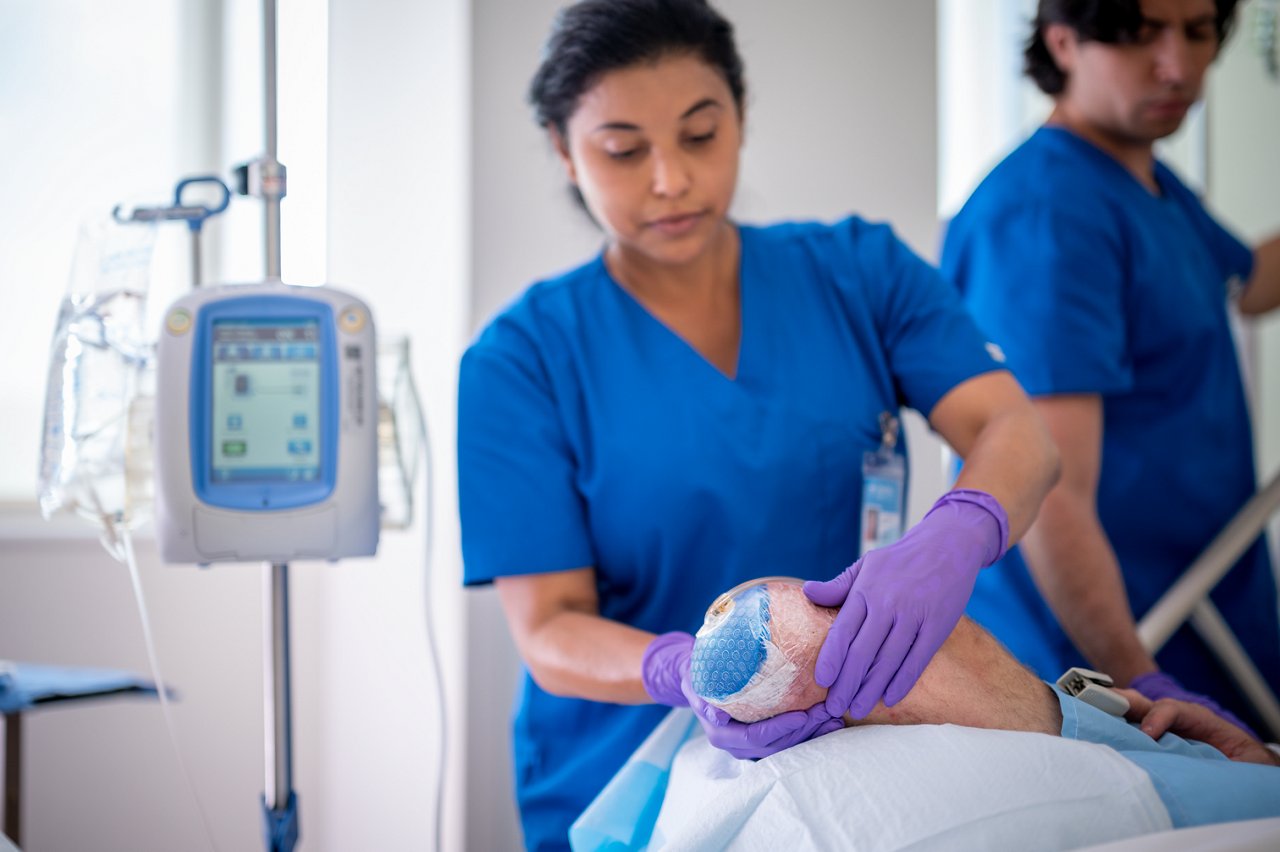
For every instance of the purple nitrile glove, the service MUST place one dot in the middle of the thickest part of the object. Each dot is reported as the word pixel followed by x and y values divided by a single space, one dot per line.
pixel 665 674
pixel 899 604
pixel 1157 685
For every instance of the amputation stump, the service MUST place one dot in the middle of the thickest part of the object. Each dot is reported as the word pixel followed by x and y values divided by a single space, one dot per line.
pixel 754 655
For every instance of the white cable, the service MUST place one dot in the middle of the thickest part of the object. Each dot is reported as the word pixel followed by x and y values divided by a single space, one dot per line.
pixel 431 638
pixel 432 646
pixel 126 539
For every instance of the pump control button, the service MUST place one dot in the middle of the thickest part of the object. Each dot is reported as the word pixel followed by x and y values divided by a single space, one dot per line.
pixel 352 319
pixel 179 321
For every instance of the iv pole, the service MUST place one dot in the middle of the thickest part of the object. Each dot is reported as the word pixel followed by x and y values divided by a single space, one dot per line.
pixel 265 178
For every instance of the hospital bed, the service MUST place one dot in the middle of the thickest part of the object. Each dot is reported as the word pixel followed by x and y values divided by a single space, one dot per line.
pixel 882 787
pixel 941 786
pixel 1188 600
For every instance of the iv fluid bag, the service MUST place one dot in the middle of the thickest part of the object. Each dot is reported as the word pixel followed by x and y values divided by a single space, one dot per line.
pixel 95 454
pixel 401 434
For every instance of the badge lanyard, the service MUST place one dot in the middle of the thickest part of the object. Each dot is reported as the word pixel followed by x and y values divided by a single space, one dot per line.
pixel 883 490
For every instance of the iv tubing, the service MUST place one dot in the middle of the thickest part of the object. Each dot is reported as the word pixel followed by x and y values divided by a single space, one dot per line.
pixel 130 559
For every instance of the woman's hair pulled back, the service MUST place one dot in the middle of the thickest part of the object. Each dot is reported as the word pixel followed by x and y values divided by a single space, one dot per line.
pixel 592 37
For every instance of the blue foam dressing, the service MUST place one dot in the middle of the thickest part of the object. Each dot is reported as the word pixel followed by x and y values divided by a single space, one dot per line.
pixel 725 659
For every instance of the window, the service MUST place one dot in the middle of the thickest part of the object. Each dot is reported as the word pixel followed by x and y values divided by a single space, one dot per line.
pixel 114 103
pixel 98 110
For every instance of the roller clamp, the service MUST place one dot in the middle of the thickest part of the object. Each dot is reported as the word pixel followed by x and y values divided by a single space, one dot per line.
pixel 1094 688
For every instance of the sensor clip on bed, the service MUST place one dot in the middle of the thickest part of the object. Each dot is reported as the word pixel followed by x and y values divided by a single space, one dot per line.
pixel 1093 688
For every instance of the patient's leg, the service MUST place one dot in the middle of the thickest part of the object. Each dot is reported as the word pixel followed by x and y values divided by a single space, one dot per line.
pixel 755 659
pixel 974 681
pixel 755 654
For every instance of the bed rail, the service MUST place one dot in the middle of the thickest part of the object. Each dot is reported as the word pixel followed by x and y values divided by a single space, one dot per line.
pixel 1188 599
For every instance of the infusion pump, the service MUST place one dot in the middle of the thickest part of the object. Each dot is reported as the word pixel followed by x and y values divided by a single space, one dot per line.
pixel 266 426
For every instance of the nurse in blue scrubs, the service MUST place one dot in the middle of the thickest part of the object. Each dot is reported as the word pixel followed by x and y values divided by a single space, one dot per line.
pixel 1106 282
pixel 693 407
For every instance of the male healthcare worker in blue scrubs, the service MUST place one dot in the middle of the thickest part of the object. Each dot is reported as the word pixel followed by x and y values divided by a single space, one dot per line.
pixel 1105 282
pixel 692 408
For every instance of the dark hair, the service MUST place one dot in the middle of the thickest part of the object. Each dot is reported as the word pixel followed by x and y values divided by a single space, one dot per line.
pixel 1107 21
pixel 593 37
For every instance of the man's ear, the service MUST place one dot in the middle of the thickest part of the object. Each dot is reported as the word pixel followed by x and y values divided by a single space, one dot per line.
pixel 561 146
pixel 1062 43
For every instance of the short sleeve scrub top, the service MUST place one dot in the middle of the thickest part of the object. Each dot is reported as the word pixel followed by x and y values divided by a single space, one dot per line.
pixel 591 435
pixel 1092 284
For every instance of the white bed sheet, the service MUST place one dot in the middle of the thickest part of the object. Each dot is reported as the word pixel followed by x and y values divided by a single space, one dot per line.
pixel 924 787
pixel 1253 835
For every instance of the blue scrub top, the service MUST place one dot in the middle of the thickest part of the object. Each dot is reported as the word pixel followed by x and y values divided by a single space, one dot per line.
pixel 1092 284
pixel 589 434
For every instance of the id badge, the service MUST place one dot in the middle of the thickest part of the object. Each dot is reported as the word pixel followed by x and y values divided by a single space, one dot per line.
pixel 883 491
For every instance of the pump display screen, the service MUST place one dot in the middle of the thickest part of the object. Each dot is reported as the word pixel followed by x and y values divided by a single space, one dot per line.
pixel 266 381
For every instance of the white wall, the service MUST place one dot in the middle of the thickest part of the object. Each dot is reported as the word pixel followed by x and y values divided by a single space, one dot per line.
pixel 840 118
pixel 985 105
pixel 398 233
pixel 102 774
pixel 1244 188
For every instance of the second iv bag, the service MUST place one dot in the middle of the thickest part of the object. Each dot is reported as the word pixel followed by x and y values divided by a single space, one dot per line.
pixel 95 455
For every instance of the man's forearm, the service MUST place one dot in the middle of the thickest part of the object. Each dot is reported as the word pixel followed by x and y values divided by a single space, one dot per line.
pixel 1076 571
pixel 1006 449
pixel 1262 291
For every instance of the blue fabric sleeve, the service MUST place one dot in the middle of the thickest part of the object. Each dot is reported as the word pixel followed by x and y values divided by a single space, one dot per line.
pixel 931 341
pixel 521 511
pixel 1081 721
pixel 1047 284
pixel 1233 257
pixel 1196 782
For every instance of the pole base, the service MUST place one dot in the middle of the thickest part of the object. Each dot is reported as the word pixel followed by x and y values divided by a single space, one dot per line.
pixel 280 827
